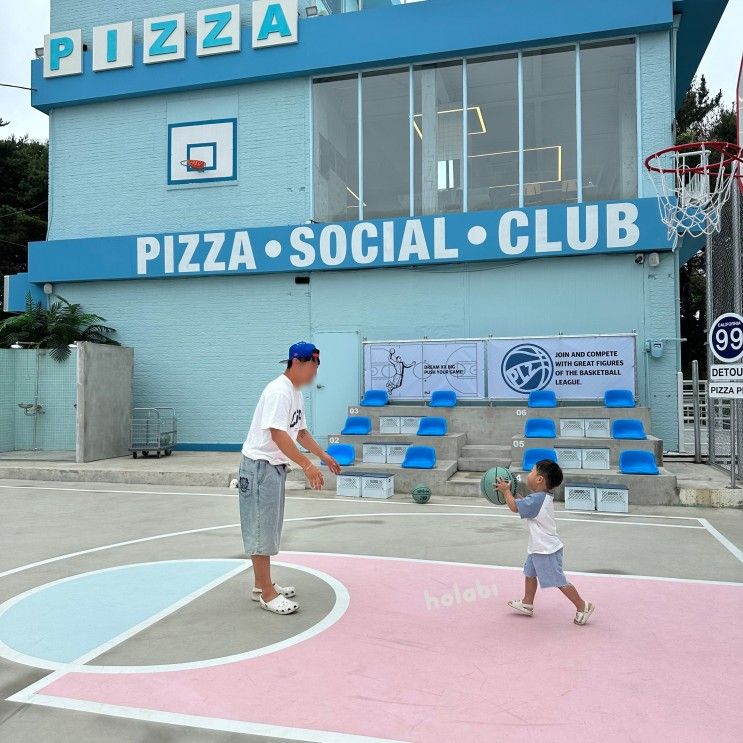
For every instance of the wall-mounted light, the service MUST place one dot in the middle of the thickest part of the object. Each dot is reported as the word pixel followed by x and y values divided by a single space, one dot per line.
pixel 39 52
pixel 311 10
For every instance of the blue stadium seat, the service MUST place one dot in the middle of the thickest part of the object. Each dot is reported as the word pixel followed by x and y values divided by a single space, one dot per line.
pixel 344 454
pixel 375 399
pixel 532 456
pixel 619 399
pixel 542 399
pixel 628 428
pixel 540 428
pixel 633 462
pixel 443 399
pixel 420 458
pixel 357 425
pixel 432 426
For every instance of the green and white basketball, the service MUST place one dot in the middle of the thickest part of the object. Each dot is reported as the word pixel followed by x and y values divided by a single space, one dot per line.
pixel 490 478
pixel 421 494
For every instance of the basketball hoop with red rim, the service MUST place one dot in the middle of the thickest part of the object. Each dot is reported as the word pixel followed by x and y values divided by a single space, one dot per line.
pixel 198 165
pixel 693 182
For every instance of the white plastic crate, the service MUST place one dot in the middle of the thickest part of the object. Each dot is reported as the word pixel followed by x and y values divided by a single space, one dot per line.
pixel 569 458
pixel 580 497
pixel 409 424
pixel 595 459
pixel 389 424
pixel 574 428
pixel 377 486
pixel 612 498
pixel 374 453
pixel 597 428
pixel 348 485
pixel 396 453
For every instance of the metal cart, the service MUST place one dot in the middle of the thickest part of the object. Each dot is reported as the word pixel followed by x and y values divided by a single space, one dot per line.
pixel 154 431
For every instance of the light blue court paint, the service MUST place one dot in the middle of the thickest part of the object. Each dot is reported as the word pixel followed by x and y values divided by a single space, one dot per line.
pixel 63 621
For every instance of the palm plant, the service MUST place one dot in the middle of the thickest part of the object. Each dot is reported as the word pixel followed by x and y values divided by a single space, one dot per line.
pixel 55 327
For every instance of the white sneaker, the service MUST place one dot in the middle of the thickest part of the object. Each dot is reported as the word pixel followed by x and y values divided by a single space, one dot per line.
pixel 521 607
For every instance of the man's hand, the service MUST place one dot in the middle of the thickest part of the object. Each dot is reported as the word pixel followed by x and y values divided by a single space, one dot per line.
pixel 314 477
pixel 331 464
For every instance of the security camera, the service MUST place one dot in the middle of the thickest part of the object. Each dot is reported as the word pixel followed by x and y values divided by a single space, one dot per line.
pixel 639 258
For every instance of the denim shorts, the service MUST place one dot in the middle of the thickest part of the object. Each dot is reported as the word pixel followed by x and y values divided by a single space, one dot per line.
pixel 547 569
pixel 261 505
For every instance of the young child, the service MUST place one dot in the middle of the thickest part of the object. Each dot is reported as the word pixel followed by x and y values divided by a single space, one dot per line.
pixel 544 558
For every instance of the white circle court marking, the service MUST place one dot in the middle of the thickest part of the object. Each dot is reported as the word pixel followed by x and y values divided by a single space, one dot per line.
pixel 342 600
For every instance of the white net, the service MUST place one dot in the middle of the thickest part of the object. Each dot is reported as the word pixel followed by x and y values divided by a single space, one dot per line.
pixel 693 185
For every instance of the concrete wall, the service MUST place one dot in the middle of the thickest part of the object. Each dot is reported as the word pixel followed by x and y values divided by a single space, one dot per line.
pixel 104 401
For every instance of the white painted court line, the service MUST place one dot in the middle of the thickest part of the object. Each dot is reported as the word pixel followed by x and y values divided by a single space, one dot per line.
pixel 338 499
pixel 25 659
pixel 509 515
pixel 113 545
pixel 723 540
pixel 206 723
pixel 340 606
pixel 518 568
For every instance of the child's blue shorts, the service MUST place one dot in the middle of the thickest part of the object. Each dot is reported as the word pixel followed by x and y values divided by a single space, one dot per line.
pixel 547 569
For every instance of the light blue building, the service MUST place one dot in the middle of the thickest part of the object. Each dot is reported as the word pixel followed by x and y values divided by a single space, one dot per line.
pixel 224 181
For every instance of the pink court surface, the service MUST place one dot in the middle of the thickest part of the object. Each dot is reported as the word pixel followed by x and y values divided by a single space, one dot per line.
pixel 125 614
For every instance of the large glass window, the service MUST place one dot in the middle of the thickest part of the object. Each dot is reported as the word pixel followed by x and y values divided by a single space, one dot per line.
pixel 550 146
pixel 488 149
pixel 609 120
pixel 437 136
pixel 385 115
pixel 493 133
pixel 335 116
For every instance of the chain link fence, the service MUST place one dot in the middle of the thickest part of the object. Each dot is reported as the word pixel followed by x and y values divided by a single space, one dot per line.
pixel 725 294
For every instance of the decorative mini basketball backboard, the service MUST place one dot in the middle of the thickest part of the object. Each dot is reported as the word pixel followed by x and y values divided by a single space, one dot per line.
pixel 202 151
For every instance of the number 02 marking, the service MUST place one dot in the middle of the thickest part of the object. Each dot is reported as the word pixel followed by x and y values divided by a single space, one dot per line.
pixel 334 440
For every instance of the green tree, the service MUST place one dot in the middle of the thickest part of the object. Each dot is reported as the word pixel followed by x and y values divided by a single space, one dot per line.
pixel 55 327
pixel 23 200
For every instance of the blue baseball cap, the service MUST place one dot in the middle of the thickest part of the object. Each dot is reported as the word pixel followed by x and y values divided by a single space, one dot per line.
pixel 303 351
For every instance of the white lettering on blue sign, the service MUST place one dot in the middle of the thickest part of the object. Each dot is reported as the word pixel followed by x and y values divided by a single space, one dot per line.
pixel 274 22
pixel 396 242
pixel 598 229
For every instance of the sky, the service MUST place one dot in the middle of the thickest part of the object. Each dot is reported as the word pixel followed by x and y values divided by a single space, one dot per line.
pixel 29 21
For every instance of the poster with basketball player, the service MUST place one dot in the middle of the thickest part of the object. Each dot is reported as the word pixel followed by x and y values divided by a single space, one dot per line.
pixel 394 367
pixel 574 368
pixel 413 370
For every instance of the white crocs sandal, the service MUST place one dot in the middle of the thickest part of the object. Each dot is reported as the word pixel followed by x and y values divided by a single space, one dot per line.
pixel 289 591
pixel 279 605
pixel 521 607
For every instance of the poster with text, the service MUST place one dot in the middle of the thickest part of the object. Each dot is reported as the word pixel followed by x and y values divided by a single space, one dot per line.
pixel 575 368
pixel 455 365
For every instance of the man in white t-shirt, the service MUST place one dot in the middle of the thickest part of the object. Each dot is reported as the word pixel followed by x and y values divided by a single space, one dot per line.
pixel 278 424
